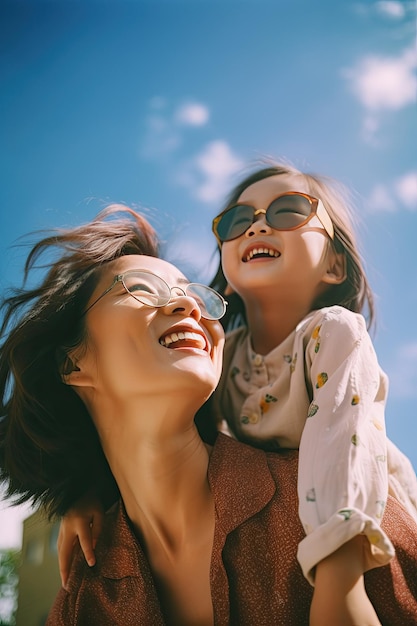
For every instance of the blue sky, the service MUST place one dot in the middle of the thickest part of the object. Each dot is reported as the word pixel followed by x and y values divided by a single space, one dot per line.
pixel 163 104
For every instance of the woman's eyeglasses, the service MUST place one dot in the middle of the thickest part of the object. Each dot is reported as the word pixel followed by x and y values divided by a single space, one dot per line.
pixel 151 290
pixel 289 211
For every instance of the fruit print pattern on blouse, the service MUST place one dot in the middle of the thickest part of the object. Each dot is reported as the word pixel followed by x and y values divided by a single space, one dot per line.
pixel 266 402
pixel 316 335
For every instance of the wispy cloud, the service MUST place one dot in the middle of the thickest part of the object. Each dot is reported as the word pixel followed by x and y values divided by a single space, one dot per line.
pixel 208 173
pixel 391 9
pixel 383 84
pixel 400 193
pixel 165 126
pixel 192 114
pixel 403 376
pixel 161 138
pixel 406 189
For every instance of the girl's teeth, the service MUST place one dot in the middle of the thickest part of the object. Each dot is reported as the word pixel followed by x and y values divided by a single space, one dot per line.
pixel 255 251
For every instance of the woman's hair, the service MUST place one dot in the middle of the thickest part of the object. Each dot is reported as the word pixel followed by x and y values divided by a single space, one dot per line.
pixel 355 292
pixel 50 453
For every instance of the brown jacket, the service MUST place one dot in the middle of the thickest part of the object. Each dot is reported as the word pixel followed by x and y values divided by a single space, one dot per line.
pixel 255 577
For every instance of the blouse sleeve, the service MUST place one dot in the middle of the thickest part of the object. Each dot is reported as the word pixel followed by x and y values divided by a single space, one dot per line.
pixel 343 478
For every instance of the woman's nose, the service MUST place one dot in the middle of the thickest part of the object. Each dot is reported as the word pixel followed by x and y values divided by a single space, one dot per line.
pixel 181 303
pixel 259 227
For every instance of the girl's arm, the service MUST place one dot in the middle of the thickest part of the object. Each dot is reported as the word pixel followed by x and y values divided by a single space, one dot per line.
pixel 343 474
pixel 83 522
pixel 339 594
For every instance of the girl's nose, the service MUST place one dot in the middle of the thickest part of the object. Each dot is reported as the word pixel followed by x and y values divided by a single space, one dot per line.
pixel 259 227
pixel 181 303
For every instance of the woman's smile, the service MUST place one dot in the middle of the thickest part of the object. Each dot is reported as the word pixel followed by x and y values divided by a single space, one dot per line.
pixel 185 336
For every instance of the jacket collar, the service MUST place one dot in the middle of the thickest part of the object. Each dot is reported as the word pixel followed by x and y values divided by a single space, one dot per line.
pixel 241 484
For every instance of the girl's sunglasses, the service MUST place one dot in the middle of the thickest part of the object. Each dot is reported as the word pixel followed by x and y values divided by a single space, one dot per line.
pixel 289 211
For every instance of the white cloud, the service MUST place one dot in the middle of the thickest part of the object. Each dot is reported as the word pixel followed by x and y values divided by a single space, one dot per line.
pixel 390 9
pixel 403 376
pixel 406 189
pixel 394 195
pixel 192 114
pixel 216 164
pixel 164 127
pixel 385 83
pixel 209 173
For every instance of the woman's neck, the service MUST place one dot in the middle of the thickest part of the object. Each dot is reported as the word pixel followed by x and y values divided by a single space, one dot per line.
pixel 162 477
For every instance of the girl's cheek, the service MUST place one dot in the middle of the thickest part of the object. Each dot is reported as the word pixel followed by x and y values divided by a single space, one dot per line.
pixel 228 258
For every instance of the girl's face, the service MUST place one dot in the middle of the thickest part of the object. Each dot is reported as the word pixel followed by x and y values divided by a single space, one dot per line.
pixel 137 350
pixel 264 259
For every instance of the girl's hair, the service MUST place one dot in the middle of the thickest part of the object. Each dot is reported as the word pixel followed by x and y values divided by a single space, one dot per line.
pixel 50 453
pixel 355 292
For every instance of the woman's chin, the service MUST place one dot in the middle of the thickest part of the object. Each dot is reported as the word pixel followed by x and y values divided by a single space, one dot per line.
pixel 196 379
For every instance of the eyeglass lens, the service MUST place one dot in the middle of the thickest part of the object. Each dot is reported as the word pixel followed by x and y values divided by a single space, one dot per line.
pixel 283 213
pixel 211 304
pixel 147 288
pixel 153 291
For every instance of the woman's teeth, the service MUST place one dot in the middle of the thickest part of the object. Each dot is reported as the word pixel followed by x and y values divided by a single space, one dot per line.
pixel 185 338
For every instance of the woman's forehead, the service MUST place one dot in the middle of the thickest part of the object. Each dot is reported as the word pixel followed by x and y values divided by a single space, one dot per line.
pixel 162 268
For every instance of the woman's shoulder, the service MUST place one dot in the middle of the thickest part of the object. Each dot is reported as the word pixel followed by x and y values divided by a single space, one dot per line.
pixel 85 599
pixel 116 551
pixel 239 459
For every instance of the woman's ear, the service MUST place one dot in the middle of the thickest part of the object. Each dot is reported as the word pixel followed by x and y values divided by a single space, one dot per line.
pixel 72 374
pixel 336 268
pixel 68 366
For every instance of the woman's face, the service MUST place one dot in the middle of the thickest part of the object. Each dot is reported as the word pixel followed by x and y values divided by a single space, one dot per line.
pixel 134 350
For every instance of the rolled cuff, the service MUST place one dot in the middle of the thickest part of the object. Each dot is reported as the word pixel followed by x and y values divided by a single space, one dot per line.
pixel 340 528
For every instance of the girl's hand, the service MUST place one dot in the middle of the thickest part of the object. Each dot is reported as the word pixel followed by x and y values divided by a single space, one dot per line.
pixel 339 594
pixel 84 523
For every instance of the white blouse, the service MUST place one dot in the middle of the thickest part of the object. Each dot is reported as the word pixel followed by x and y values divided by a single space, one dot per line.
pixel 322 391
